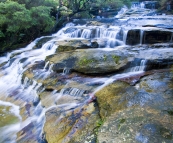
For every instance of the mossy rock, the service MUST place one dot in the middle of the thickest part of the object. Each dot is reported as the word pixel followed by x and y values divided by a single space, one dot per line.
pixel 112 98
pixel 7 118
pixel 90 61
pixel 135 125
pixel 72 44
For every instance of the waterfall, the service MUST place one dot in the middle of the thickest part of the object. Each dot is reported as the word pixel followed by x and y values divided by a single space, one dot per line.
pixel 11 83
pixel 86 33
pixel 141 36
pixel 125 32
pixel 142 5
pixel 76 33
pixel 136 5
pixel 97 35
pixel 46 65
pixel 73 91
pixel 140 67
pixel 121 12
pixel 66 71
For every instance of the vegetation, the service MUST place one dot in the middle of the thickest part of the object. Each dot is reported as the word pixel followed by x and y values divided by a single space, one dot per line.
pixel 116 58
pixel 23 20
pixel 99 123
pixel 85 61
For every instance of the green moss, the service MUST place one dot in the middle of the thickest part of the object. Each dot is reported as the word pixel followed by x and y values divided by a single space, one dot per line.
pixel 116 58
pixel 85 61
pixel 104 57
pixel 120 123
pixel 99 123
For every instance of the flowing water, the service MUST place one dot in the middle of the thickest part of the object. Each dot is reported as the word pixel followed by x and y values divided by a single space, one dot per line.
pixel 18 94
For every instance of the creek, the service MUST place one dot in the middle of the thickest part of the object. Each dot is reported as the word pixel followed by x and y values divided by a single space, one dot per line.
pixel 133 34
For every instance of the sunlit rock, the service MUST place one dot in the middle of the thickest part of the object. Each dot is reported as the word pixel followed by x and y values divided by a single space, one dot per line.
pixel 73 126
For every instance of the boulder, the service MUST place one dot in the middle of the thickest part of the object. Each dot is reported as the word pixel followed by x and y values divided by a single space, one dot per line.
pixel 90 61
pixel 140 113
pixel 75 125
pixel 136 125
pixel 73 44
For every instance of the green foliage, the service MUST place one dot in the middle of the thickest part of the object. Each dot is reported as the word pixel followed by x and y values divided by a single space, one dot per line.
pixel 23 20
pixel 99 123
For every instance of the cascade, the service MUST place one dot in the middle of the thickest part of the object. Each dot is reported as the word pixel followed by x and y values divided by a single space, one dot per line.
pixel 72 91
pixel 12 87
pixel 139 66
pixel 86 33
pixel 76 33
pixel 15 86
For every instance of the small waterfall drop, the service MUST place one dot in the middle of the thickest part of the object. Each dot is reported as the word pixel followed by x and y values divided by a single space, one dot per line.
pixel 66 71
pixel 140 67
pixel 76 33
pixel 141 36
pixel 46 65
pixel 125 32
pixel 86 33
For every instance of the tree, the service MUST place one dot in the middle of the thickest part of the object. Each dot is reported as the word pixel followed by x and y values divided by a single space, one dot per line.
pixel 19 24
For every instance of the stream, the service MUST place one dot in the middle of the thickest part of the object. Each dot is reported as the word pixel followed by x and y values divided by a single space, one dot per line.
pixel 22 114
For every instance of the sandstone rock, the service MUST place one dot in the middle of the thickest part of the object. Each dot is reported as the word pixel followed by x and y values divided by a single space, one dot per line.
pixel 73 44
pixel 73 126
pixel 90 61
pixel 140 113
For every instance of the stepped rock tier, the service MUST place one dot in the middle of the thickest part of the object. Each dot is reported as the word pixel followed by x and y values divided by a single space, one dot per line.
pixel 104 80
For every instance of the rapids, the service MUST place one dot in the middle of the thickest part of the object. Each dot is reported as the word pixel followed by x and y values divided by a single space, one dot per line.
pixel 19 98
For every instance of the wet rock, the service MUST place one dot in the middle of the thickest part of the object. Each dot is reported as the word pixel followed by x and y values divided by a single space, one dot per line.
pixel 140 113
pixel 112 98
pixel 73 126
pixel 7 117
pixel 73 44
pixel 136 125
pixel 133 37
pixel 148 35
pixel 157 58
pixel 156 36
pixel 90 61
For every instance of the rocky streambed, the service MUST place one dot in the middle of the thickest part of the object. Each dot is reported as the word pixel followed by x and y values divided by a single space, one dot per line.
pixel 107 81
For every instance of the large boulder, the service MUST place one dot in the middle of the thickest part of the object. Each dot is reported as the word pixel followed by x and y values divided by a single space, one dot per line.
pixel 90 61
pixel 73 44
pixel 74 125
pixel 140 113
